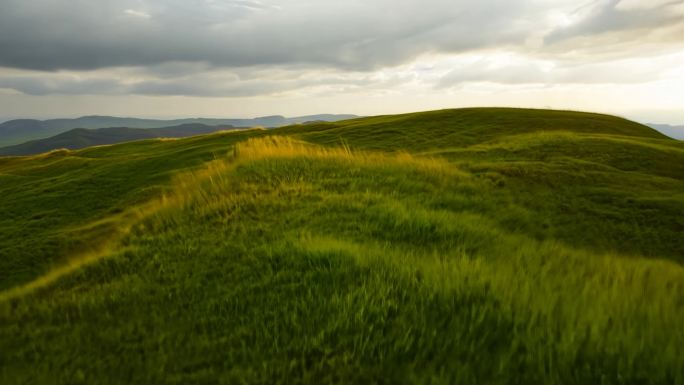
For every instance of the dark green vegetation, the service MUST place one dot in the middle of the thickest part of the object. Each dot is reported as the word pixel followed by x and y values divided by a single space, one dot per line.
pixel 82 137
pixel 460 246
pixel 22 130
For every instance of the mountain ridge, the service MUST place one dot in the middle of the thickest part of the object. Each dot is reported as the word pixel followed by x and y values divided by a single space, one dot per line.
pixel 79 138
pixel 17 131
pixel 673 131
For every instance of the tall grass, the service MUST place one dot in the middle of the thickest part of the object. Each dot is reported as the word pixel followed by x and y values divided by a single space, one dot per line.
pixel 286 262
pixel 336 266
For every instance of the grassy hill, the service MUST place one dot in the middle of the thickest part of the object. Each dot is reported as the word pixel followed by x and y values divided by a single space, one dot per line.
pixel 455 246
pixel 81 137
pixel 463 127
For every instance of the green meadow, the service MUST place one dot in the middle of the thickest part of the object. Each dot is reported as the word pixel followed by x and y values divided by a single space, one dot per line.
pixel 471 246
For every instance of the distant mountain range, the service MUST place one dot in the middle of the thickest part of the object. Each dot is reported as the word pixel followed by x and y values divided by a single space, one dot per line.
pixel 22 130
pixel 86 137
pixel 676 132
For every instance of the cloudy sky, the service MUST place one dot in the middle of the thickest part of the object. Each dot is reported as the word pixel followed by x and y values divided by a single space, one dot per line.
pixel 243 58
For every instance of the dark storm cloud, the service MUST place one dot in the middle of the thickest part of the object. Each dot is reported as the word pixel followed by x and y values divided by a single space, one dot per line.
pixel 86 34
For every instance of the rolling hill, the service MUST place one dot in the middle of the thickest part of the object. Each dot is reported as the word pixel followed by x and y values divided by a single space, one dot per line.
pixel 22 130
pixel 82 137
pixel 501 246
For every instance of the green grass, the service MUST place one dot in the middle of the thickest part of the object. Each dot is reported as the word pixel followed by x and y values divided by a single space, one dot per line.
pixel 436 130
pixel 401 249
pixel 51 202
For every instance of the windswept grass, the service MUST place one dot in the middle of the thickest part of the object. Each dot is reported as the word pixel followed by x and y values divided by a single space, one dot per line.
pixel 49 199
pixel 287 262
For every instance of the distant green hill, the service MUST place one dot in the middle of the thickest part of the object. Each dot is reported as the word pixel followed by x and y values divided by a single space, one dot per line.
pixel 81 137
pixel 497 246
pixel 22 130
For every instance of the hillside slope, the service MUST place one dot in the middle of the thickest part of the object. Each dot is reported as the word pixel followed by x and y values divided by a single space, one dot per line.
pixel 81 137
pixel 502 250
pixel 462 127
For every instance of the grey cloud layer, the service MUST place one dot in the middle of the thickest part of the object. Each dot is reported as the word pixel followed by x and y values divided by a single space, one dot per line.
pixel 607 16
pixel 86 34
pixel 206 84
pixel 41 85
pixel 249 47
pixel 619 72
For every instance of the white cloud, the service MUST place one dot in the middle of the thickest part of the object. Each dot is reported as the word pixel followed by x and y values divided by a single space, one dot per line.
pixel 139 14
pixel 628 5
pixel 512 68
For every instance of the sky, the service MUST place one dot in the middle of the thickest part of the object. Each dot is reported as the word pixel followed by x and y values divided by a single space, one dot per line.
pixel 246 58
